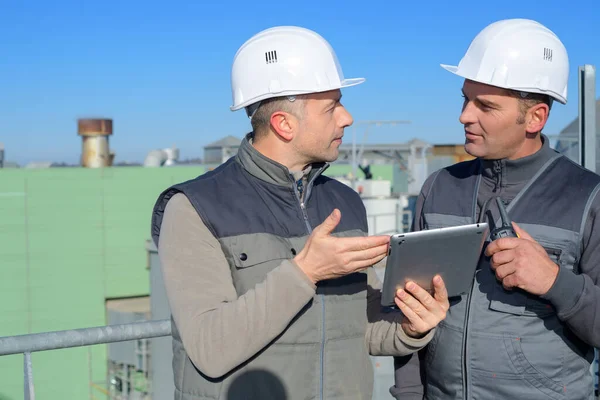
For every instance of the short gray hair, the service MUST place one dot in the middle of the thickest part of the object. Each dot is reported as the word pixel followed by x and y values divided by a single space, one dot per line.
pixel 261 118
pixel 528 100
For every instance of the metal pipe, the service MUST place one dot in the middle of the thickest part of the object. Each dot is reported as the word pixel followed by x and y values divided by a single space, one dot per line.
pixel 83 337
pixel 29 390
pixel 587 116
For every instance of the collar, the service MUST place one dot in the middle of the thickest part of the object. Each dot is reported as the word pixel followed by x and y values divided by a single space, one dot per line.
pixel 268 170
pixel 520 170
pixel 304 173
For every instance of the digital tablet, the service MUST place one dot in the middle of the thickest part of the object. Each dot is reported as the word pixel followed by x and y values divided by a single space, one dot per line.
pixel 451 252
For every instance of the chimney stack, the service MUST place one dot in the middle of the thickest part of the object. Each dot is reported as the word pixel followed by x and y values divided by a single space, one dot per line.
pixel 95 150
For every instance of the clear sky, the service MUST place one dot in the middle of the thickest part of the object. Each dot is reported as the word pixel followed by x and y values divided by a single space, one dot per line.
pixel 161 69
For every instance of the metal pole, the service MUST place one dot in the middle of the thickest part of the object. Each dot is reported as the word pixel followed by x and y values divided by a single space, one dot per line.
pixel 83 337
pixel 29 391
pixel 375 225
pixel 353 155
pixel 587 116
pixel 90 375
pixel 126 385
pixel 587 135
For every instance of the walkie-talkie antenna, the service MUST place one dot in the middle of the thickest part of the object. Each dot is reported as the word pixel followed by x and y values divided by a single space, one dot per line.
pixel 506 228
pixel 503 215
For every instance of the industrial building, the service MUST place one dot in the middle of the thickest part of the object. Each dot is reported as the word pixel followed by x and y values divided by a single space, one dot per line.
pixel 221 150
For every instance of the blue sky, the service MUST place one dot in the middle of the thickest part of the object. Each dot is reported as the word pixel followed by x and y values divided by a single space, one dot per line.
pixel 161 70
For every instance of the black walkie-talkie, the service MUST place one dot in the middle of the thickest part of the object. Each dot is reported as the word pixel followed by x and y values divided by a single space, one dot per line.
pixel 506 228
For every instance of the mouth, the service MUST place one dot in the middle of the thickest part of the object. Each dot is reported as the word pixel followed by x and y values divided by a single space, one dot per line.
pixel 471 135
pixel 338 139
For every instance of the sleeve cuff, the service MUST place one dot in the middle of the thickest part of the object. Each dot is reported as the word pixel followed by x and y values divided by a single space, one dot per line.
pixel 566 291
pixel 414 343
pixel 299 274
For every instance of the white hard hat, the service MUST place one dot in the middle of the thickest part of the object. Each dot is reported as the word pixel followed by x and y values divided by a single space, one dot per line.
pixel 284 61
pixel 518 54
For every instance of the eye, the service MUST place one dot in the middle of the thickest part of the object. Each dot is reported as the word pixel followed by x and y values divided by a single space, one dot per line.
pixel 484 108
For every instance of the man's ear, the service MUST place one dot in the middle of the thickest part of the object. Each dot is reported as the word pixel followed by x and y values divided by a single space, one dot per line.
pixel 284 124
pixel 536 118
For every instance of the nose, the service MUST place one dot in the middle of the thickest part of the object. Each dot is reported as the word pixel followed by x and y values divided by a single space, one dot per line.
pixel 467 116
pixel 345 118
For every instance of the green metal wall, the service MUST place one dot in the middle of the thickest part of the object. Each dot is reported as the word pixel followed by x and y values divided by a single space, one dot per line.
pixel 383 171
pixel 69 239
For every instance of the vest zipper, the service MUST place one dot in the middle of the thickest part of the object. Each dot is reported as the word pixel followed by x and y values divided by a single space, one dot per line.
pixel 465 341
pixel 465 348
pixel 465 364
pixel 302 197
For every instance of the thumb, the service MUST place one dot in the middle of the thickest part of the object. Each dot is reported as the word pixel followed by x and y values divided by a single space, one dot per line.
pixel 330 222
pixel 521 233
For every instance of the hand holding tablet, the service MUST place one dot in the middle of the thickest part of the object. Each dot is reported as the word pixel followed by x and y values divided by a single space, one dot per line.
pixel 452 252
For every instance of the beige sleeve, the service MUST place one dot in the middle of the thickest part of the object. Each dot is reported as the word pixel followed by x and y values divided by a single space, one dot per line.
pixel 385 336
pixel 219 329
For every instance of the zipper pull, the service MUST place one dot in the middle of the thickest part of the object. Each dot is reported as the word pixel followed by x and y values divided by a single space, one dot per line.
pixel 497 172
pixel 300 187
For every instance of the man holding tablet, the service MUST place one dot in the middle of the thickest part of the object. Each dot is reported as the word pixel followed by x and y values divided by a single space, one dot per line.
pixel 528 326
pixel 264 257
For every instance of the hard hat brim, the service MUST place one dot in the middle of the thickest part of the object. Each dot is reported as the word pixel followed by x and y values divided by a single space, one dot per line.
pixel 352 82
pixel 451 68
pixel 555 96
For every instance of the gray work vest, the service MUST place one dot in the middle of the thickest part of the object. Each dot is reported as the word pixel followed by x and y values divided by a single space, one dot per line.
pixel 499 344
pixel 251 205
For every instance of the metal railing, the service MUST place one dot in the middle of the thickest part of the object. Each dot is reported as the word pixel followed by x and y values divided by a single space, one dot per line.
pixel 27 344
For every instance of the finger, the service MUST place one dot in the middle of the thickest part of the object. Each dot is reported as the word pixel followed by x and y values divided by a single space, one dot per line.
pixel 364 264
pixel 362 242
pixel 521 232
pixel 418 303
pixel 501 244
pixel 408 312
pixel 440 292
pixel 421 319
pixel 423 297
pixel 505 270
pixel 329 224
pixel 373 252
pixel 501 258
pixel 509 282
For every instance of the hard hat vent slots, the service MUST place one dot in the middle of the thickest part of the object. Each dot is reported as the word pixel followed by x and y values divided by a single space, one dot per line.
pixel 271 56
pixel 547 54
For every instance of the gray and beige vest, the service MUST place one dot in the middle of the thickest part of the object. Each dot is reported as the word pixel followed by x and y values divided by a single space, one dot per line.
pixel 504 344
pixel 252 206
